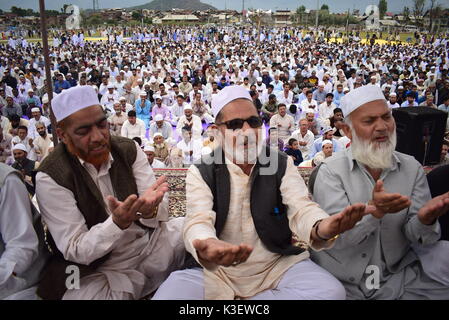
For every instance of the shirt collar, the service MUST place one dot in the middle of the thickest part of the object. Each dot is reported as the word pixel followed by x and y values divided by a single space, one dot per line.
pixel 106 166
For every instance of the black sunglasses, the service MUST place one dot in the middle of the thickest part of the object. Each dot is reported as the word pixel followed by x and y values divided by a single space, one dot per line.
pixel 234 124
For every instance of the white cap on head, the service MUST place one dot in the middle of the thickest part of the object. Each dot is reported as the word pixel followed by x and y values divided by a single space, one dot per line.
pixel 327 129
pixel 20 146
pixel 45 99
pixel 30 90
pixel 309 111
pixel 393 94
pixel 400 87
pixel 188 107
pixel 156 96
pixel 326 142
pixel 358 97
pixel 227 95
pixel 346 89
pixel 72 100
pixel 122 99
pixel 35 110
pixel 157 134
pixel 321 84
pixel 148 148
pixel 142 94
pixel 259 79
pixel 111 86
pixel 158 117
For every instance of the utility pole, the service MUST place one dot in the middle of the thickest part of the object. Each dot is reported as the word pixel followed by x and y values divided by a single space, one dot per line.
pixel 317 12
pixel 49 88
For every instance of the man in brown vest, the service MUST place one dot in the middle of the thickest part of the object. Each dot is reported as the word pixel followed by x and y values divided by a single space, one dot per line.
pixel 107 216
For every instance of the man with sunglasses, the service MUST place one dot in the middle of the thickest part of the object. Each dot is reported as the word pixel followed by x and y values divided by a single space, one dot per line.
pixel 249 221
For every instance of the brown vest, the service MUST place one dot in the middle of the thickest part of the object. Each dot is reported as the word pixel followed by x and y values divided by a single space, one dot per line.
pixel 67 171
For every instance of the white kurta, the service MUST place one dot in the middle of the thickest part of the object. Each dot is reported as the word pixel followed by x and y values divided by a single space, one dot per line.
pixel 138 262
pixel 263 269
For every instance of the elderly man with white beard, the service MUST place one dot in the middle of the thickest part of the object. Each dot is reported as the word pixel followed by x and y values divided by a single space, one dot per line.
pixel 377 259
pixel 249 220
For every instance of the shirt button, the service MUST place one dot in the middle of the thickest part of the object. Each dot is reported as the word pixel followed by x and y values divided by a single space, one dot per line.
pixel 351 279
pixel 363 255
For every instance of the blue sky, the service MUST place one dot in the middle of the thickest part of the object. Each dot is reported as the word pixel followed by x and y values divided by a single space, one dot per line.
pixel 335 5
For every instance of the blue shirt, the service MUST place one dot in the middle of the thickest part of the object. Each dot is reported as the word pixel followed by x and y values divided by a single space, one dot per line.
pixel 59 86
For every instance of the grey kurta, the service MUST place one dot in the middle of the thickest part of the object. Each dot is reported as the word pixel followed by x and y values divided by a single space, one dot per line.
pixel 385 243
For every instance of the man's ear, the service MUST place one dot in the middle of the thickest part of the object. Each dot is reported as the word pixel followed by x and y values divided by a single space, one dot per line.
pixel 62 135
pixel 347 130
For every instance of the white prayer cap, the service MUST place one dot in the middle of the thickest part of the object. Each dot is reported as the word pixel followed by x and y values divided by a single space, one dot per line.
pixel 373 77
pixel 153 80
pixel 30 90
pixel 327 129
pixel 143 94
pixel 111 86
pixel 72 100
pixel 259 79
pixel 400 87
pixel 157 134
pixel 227 95
pixel 122 99
pixel 158 117
pixel 156 96
pixel 346 89
pixel 309 111
pixel 359 97
pixel 188 107
pixel 45 99
pixel 393 94
pixel 20 146
pixel 326 142
pixel 139 80
pixel 35 110
pixel 321 84
pixel 148 148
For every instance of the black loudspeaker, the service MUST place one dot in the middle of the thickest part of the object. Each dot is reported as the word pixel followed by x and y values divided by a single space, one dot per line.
pixel 420 132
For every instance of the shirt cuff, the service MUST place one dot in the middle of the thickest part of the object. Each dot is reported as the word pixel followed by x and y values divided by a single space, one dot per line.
pixel 425 234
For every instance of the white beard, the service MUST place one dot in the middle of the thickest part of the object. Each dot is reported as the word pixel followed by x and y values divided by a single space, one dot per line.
pixel 238 154
pixel 372 154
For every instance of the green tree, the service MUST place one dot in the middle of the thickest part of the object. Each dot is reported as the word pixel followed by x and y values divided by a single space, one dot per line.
pixel 418 10
pixel 383 7
pixel 325 7
pixel 136 15
pixel 301 9
pixel 406 14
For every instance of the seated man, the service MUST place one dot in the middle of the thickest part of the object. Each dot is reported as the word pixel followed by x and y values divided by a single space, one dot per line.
pixel 21 259
pixel 133 127
pixel 161 126
pixel 328 134
pixel 189 120
pixel 154 163
pixel 284 123
pixel 375 259
pixel 106 213
pixel 24 165
pixel 191 146
pixel 242 218
pixel 161 147
pixel 324 154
